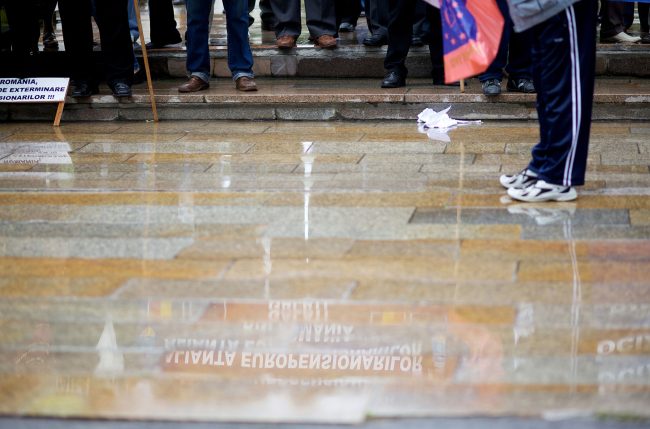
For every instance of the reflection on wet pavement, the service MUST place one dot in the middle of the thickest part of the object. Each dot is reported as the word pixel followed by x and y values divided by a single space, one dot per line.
pixel 326 272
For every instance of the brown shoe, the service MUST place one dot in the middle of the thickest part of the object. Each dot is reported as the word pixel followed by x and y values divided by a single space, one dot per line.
pixel 194 84
pixel 326 41
pixel 245 83
pixel 286 42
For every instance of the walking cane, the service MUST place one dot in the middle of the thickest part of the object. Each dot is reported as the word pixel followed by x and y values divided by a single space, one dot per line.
pixel 152 95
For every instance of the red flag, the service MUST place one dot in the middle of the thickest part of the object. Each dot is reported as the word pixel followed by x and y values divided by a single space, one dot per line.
pixel 471 32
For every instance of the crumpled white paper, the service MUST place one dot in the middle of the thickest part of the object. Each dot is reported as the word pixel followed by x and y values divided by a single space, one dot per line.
pixel 440 120
pixel 436 124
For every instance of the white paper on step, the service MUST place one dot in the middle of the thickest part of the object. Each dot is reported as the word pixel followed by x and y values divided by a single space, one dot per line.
pixel 441 120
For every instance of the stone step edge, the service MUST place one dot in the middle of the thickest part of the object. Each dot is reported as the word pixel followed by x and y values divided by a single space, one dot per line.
pixel 314 111
pixel 98 101
pixel 359 62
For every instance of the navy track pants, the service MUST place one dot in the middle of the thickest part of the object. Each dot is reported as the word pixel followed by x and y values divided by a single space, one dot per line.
pixel 564 57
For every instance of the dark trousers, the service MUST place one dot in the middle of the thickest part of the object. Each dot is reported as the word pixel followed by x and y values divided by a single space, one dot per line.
pixel 47 14
pixel 162 23
pixel 612 18
pixel 321 17
pixel 564 58
pixel 24 31
pixel 513 54
pixel 400 32
pixel 347 11
pixel 113 22
pixel 23 25
pixel 421 26
pixel 266 14
pixel 377 16
pixel 644 12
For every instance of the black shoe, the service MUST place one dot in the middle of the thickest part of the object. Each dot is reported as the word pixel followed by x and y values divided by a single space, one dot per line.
pixel 491 87
pixel 120 89
pixel 81 88
pixel 170 45
pixel 375 40
pixel 521 85
pixel 346 27
pixel 393 79
pixel 417 41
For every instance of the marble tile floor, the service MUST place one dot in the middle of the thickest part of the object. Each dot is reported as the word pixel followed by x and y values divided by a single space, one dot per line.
pixel 317 273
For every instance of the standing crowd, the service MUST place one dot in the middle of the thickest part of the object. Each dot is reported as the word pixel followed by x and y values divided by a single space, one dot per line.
pixel 551 53
pixel 399 24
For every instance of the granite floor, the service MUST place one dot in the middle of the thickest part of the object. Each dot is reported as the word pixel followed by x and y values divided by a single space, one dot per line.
pixel 317 272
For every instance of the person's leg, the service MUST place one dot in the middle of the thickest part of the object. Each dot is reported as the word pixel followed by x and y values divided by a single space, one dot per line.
pixel 287 13
pixel 162 23
pixel 347 12
pixel 436 50
pixel 644 12
pixel 266 14
pixel 321 18
pixel 495 69
pixel 198 54
pixel 133 21
pixel 400 28
pixel 377 17
pixel 78 38
pixel 117 48
pixel 47 9
pixel 240 57
pixel 563 54
pixel 612 18
pixel 24 27
pixel 421 28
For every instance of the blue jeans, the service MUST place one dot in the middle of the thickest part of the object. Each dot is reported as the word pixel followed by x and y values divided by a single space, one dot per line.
pixel 240 57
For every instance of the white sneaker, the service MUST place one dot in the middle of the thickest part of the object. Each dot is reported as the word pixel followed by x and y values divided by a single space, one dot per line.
pixel 521 180
pixel 622 37
pixel 542 191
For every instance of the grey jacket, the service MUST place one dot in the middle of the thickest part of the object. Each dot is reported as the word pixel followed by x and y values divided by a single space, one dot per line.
pixel 528 13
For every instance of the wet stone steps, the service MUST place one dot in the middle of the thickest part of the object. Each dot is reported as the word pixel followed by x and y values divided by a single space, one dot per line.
pixel 616 98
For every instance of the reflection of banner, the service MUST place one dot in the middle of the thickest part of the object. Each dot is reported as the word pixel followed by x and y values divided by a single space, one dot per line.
pixel 471 35
pixel 35 153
